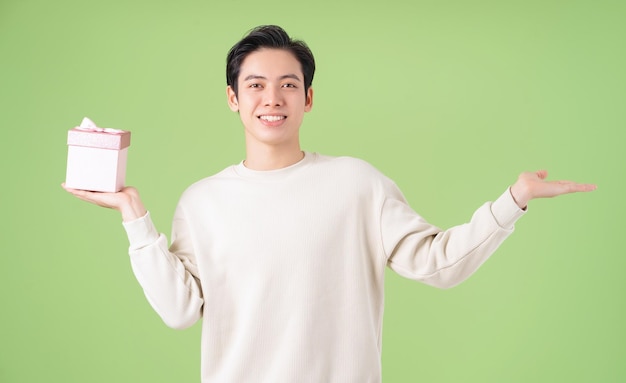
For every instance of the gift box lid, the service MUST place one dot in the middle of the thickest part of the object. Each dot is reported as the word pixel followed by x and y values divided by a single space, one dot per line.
pixel 89 135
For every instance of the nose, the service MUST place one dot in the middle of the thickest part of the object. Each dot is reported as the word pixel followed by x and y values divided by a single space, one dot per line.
pixel 273 96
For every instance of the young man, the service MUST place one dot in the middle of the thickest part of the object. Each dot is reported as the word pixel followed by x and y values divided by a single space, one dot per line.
pixel 282 256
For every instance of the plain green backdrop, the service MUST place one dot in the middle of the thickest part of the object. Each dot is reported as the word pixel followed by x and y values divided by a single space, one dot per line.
pixel 451 99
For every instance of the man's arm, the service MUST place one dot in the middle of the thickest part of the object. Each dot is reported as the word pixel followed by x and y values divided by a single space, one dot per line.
pixel 169 278
pixel 443 258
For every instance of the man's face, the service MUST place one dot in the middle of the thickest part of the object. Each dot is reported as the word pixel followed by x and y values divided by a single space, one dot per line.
pixel 271 100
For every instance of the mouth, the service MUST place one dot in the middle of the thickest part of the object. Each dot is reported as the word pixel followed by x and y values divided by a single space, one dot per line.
pixel 271 118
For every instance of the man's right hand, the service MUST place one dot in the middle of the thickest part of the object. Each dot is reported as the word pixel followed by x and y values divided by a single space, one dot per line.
pixel 126 201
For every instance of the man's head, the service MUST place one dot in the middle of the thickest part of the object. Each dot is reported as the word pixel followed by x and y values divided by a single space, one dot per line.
pixel 268 36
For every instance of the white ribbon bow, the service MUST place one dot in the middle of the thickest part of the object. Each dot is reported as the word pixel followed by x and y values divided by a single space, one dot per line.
pixel 89 126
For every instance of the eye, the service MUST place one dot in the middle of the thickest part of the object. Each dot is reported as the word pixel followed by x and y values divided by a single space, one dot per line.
pixel 289 85
pixel 254 85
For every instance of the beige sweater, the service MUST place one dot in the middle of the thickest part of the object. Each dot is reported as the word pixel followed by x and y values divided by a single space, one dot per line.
pixel 285 268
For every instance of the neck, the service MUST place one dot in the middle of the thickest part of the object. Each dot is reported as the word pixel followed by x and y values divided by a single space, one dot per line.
pixel 272 158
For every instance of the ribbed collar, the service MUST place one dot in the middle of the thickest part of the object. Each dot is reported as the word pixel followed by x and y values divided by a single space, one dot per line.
pixel 242 171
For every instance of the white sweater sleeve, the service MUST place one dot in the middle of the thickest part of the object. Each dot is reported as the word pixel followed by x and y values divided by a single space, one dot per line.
pixel 418 250
pixel 169 277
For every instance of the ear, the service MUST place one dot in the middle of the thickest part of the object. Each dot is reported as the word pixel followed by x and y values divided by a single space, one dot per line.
pixel 308 103
pixel 232 99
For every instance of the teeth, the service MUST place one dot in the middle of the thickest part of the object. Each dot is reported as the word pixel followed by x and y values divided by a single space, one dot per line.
pixel 272 118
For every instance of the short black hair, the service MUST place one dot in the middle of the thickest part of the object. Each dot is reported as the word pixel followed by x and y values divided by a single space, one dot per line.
pixel 268 36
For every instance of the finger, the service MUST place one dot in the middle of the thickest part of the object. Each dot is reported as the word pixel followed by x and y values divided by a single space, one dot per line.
pixel 585 187
pixel 130 191
pixel 542 174
pixel 83 195
pixel 76 192
pixel 574 187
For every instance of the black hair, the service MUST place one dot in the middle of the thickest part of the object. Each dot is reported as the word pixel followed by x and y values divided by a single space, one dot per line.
pixel 268 36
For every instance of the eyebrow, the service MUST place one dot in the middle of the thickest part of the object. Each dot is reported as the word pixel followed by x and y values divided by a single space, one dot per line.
pixel 259 77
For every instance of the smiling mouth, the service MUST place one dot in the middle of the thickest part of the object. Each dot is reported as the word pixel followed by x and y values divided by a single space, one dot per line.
pixel 272 118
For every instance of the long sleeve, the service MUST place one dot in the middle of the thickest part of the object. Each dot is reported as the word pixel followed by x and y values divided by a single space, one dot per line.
pixel 274 249
pixel 169 277
pixel 423 252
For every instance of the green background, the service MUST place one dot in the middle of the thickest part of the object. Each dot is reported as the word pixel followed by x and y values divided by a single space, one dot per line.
pixel 451 99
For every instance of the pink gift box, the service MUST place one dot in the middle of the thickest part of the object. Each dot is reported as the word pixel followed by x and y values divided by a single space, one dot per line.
pixel 96 159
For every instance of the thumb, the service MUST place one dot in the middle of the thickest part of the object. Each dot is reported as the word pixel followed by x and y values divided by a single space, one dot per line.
pixel 542 174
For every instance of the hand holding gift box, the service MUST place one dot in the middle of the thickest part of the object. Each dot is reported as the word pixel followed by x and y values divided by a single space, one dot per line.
pixel 96 157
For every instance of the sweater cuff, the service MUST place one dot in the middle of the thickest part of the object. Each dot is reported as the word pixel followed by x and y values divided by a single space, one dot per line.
pixel 141 232
pixel 505 210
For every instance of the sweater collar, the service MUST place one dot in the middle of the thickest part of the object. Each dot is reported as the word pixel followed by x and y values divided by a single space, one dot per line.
pixel 244 172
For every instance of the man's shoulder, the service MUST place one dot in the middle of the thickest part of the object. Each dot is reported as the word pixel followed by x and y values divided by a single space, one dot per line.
pixel 206 184
pixel 341 161
pixel 354 166
pixel 353 177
